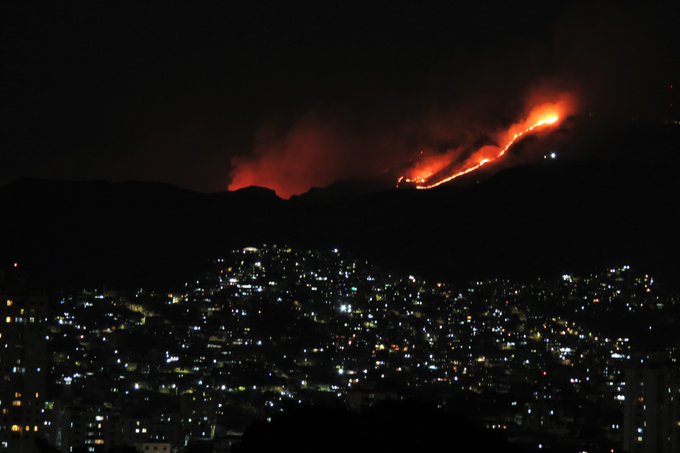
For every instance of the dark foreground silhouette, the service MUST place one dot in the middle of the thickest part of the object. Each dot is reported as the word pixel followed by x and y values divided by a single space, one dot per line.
pixel 409 427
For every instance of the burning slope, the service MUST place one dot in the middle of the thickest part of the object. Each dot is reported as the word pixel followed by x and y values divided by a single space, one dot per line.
pixel 440 169
pixel 319 150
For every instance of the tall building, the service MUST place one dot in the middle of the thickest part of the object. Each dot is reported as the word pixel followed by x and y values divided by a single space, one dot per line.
pixel 652 409
pixel 23 363
pixel 100 427
pixel 92 427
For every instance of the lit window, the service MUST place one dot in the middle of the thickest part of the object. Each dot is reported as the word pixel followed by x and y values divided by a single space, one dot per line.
pixel 9 303
pixel 16 428
pixel 8 320
pixel 16 403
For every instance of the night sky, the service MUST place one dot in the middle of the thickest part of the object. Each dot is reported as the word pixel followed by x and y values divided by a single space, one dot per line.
pixel 192 94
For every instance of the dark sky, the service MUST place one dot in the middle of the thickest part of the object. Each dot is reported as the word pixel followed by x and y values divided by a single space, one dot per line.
pixel 186 93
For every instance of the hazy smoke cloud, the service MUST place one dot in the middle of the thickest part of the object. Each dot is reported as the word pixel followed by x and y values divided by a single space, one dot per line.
pixel 315 152
pixel 311 153
pixel 465 109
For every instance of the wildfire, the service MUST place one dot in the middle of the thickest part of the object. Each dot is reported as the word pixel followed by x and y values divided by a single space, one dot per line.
pixel 422 174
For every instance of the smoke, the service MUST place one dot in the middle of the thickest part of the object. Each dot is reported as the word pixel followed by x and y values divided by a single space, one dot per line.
pixel 314 152
pixel 463 108
pixel 435 168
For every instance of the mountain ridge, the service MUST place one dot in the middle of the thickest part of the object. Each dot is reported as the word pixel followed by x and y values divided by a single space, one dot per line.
pixel 549 217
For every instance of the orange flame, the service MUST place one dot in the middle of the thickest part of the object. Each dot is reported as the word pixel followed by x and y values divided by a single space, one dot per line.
pixel 541 117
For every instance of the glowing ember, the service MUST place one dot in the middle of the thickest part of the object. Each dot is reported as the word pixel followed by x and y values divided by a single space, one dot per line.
pixel 422 174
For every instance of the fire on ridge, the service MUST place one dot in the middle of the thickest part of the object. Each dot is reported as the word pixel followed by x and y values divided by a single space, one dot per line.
pixel 438 170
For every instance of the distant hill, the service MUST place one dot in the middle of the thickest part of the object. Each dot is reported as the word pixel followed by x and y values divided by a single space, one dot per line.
pixel 342 189
pixel 524 221
pixel 527 220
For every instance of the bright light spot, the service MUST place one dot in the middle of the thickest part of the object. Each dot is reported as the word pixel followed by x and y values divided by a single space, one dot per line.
pixel 550 120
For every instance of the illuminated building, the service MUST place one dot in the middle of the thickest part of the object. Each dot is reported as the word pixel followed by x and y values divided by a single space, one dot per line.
pixel 23 359
pixel 93 427
pixel 651 410
pixel 154 447
pixel 275 327
pixel 154 432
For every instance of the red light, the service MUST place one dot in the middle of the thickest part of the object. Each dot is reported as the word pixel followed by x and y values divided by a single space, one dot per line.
pixel 545 373
pixel 428 173
pixel 546 121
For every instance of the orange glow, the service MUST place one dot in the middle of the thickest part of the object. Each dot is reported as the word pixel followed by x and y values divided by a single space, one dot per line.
pixel 427 167
pixel 313 152
pixel 317 150
pixel 292 162
pixel 428 174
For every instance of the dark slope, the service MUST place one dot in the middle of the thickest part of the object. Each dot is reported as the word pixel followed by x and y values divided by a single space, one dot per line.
pixel 525 221
pixel 67 233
